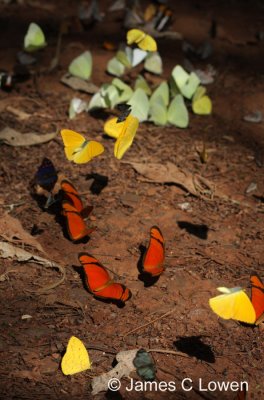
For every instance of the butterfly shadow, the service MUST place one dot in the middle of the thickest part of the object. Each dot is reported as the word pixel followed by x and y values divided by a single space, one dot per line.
pixel 194 347
pixel 99 182
pixel 198 230
pixel 144 276
pixel 113 395
pixel 80 271
pixel 99 113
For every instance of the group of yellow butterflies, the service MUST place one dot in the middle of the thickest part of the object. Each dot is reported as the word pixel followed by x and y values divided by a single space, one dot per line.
pixel 234 303
pixel 79 149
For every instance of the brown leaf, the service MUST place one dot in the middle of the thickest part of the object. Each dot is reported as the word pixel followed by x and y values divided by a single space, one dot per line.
pixel 9 251
pixel 79 84
pixel 11 229
pixel 15 138
pixel 170 173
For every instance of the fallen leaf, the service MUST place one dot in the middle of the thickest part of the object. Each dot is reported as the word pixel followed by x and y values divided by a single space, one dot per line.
pixel 9 251
pixel 79 84
pixel 14 138
pixel 170 173
pixel 124 367
pixel 12 230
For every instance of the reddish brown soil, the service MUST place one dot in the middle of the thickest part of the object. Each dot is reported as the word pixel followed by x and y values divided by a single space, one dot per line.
pixel 214 243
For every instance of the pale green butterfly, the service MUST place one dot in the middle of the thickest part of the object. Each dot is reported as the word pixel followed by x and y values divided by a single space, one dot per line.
pixel 115 67
pixel 161 91
pixel 153 63
pixel 77 106
pixel 178 113
pixel 124 91
pixel 158 111
pixel 34 39
pixel 142 84
pixel 81 66
pixel 140 105
pixel 186 83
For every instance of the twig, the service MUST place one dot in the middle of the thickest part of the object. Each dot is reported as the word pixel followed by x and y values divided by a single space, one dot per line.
pixel 176 353
pixel 148 323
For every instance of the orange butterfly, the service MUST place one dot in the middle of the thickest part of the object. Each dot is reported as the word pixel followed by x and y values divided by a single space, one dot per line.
pixel 155 254
pixel 71 194
pixel 99 282
pixel 257 297
pixel 76 226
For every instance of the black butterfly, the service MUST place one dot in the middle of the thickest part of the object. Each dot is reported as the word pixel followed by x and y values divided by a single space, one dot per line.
pixel 125 110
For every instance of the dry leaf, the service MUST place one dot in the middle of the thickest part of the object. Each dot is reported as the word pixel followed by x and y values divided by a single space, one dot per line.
pixel 11 230
pixel 79 84
pixel 9 251
pixel 170 173
pixel 124 367
pixel 15 138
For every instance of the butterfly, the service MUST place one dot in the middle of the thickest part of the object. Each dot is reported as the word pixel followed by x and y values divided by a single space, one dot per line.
pixel 257 297
pixel 76 226
pixel 35 38
pixel 153 260
pixel 126 137
pixel 46 182
pixel 76 359
pixel 145 365
pixel 143 40
pixel 99 282
pixel 46 175
pixel 233 304
pixel 78 149
pixel 125 110
pixel 72 196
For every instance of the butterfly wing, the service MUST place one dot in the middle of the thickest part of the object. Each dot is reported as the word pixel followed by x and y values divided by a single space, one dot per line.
pixel 99 282
pixel 90 150
pixel 76 359
pixel 126 137
pixel 46 175
pixel 112 128
pixel 73 142
pixel 75 224
pixel 135 36
pixel 154 257
pixel 70 193
pixel 234 305
pixel 148 43
pixel 125 110
pixel 257 297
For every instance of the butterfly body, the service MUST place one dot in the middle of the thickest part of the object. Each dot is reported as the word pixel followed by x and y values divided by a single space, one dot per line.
pixel 99 282
pixel 153 261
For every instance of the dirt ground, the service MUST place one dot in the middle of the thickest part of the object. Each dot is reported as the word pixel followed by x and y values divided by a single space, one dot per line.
pixel 213 243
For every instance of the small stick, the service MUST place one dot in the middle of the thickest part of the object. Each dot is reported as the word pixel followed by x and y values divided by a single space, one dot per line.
pixel 176 353
pixel 148 323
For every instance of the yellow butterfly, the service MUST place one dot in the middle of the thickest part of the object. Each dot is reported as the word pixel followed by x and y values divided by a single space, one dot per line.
pixel 76 359
pixel 124 132
pixel 233 304
pixel 201 103
pixel 78 149
pixel 144 41
pixel 112 128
